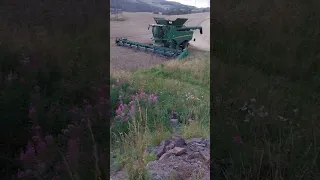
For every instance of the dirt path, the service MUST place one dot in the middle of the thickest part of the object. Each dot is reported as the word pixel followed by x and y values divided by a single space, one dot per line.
pixel 135 28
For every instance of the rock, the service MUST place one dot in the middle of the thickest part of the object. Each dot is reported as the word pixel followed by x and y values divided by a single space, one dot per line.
pixel 205 155
pixel 206 142
pixel 160 151
pixel 164 142
pixel 178 151
pixel 193 140
pixel 179 141
pixel 165 156
pixel 162 148
pixel 195 147
pixel 194 155
pixel 174 122
pixel 169 146
pixel 180 157
pixel 119 175
pixel 198 144
pixel 155 176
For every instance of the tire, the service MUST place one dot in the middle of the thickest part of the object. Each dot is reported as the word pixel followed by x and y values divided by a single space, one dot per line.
pixel 184 44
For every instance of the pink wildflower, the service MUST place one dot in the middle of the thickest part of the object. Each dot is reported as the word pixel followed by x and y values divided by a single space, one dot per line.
pixel 155 98
pixel 132 110
pixel 118 111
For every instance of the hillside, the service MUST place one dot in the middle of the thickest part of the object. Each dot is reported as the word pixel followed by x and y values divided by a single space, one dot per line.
pixel 147 5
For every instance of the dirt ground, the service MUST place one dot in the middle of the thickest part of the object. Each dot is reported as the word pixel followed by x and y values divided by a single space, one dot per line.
pixel 135 28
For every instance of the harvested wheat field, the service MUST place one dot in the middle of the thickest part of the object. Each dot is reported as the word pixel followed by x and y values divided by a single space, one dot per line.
pixel 135 28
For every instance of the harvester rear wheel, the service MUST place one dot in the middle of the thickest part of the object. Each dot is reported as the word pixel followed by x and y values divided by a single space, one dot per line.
pixel 173 44
pixel 166 44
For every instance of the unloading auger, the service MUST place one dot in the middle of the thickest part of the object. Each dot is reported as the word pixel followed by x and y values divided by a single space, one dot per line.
pixel 170 38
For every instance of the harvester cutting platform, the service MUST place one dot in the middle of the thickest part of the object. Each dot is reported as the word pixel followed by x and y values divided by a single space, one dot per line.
pixel 170 38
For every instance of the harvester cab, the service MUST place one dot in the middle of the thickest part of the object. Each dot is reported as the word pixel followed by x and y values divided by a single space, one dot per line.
pixel 172 34
pixel 171 38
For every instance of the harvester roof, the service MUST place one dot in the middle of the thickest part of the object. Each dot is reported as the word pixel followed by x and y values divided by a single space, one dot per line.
pixel 177 22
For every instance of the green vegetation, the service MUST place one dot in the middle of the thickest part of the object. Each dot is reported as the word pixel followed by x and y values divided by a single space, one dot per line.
pixel 267 55
pixel 180 86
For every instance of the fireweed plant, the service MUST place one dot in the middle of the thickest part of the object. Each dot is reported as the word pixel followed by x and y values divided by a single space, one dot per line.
pixel 133 106
pixel 156 107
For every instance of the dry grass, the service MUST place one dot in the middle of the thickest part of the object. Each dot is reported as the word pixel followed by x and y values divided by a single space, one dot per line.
pixel 120 74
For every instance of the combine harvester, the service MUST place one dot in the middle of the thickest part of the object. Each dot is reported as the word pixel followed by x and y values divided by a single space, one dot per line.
pixel 170 38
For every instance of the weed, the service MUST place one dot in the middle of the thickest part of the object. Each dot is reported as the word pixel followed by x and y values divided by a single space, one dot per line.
pixel 195 129
pixel 150 157
pixel 159 135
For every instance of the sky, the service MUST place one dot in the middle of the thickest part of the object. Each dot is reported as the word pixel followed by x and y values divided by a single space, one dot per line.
pixel 197 3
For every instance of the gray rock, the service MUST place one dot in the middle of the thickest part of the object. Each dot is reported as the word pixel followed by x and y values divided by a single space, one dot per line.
pixel 154 176
pixel 169 146
pixel 162 148
pixel 160 151
pixel 178 151
pixel 194 155
pixel 194 140
pixel 174 122
pixel 178 141
pixel 206 142
pixel 165 142
pixel 165 156
pixel 205 155
pixel 181 158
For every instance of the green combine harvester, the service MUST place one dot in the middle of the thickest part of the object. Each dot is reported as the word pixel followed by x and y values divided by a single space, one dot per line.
pixel 170 38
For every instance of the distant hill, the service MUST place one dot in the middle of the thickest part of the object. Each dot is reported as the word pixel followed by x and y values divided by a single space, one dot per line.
pixel 147 5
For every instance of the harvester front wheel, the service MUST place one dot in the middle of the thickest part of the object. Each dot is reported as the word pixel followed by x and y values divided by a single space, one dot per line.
pixel 184 44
